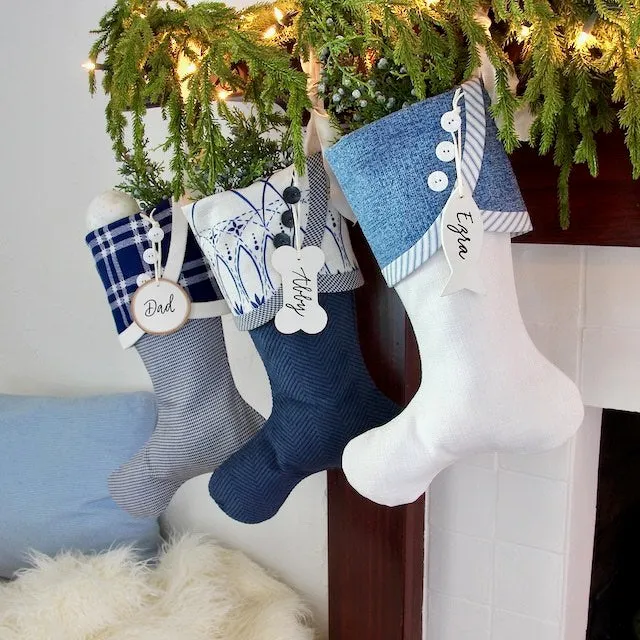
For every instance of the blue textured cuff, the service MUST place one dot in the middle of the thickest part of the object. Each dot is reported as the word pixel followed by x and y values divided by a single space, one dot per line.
pixel 386 171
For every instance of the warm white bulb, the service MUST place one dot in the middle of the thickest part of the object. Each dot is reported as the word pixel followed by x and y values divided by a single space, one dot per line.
pixel 89 65
pixel 278 13
pixel 191 68
pixel 582 39
pixel 585 37
pixel 525 32
pixel 223 94
pixel 270 33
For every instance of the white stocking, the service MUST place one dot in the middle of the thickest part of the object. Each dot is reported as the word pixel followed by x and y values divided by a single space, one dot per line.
pixel 485 387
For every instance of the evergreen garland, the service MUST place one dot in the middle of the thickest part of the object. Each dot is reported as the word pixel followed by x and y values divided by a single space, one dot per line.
pixel 182 58
pixel 250 149
pixel 577 61
pixel 399 50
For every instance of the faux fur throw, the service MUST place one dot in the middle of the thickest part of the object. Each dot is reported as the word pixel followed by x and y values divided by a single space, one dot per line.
pixel 197 591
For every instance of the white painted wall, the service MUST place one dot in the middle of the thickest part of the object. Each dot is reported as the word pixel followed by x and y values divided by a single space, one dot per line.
pixel 56 332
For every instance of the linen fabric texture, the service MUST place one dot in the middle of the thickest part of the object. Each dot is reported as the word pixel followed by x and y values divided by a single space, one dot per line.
pixel 236 231
pixel 485 386
pixel 56 457
pixel 383 170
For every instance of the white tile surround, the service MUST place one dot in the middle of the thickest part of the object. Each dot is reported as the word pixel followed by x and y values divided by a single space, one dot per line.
pixel 510 538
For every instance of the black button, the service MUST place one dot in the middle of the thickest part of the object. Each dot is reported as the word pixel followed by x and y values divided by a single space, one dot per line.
pixel 282 240
pixel 287 219
pixel 291 195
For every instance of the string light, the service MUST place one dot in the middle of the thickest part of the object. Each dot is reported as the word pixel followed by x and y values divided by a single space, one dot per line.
pixel 584 37
pixel 191 68
pixel 223 94
pixel 90 65
pixel 281 19
pixel 270 33
pixel 525 31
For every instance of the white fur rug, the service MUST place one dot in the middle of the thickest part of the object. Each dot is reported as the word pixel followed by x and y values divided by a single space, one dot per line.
pixel 197 591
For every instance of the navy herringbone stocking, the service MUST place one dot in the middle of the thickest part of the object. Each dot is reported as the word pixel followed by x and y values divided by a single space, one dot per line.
pixel 323 397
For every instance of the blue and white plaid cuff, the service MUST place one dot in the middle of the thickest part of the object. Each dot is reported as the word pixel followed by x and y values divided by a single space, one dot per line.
pixel 118 250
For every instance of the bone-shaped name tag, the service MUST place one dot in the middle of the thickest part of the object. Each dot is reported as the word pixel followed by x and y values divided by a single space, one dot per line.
pixel 299 270
pixel 462 239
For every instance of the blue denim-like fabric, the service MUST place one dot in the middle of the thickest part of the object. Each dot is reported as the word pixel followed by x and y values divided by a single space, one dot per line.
pixel 383 170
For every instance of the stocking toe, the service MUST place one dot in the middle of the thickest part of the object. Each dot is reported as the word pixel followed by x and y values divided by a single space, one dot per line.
pixel 252 486
pixel 134 488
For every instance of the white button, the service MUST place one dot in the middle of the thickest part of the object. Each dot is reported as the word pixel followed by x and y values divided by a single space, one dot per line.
pixel 143 278
pixel 438 181
pixel 446 151
pixel 150 256
pixel 156 234
pixel 450 121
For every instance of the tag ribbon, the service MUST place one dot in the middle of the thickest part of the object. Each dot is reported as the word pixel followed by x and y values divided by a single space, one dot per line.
pixel 462 224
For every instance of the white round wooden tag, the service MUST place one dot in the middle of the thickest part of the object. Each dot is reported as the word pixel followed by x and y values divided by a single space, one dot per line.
pixel 160 308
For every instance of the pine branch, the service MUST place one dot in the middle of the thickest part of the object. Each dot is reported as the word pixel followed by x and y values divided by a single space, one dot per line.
pixel 578 62
pixel 144 47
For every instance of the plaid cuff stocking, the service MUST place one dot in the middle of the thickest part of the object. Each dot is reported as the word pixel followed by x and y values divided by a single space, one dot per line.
pixel 202 419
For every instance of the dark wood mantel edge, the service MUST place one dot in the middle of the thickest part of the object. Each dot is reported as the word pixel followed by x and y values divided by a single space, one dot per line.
pixel 375 553
pixel 605 211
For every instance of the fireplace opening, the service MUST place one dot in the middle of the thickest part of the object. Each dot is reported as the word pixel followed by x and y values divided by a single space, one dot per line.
pixel 614 611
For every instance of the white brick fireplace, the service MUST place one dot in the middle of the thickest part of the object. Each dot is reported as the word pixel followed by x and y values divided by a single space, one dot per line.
pixel 510 538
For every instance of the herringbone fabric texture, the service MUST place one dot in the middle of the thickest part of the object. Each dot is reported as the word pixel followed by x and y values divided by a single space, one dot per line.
pixel 323 397
pixel 202 419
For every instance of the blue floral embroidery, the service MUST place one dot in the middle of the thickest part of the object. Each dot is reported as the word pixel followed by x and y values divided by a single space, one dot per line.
pixel 240 247
pixel 235 227
pixel 257 302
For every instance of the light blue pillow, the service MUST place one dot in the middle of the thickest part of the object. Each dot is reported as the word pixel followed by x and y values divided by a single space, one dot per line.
pixel 56 455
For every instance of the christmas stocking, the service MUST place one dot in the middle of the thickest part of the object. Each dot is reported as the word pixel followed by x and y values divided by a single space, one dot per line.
pixel 485 386
pixel 323 395
pixel 202 418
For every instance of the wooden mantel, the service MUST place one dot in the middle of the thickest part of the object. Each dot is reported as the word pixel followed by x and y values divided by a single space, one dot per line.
pixel 605 210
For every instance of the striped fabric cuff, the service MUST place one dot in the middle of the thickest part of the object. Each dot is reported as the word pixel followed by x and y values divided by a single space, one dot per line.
pixel 516 223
